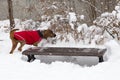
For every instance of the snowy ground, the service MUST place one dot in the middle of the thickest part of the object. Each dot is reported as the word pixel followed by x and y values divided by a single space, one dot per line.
pixel 14 67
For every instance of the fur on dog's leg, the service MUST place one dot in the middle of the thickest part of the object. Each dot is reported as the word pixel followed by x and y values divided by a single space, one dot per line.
pixel 14 42
pixel 14 45
pixel 21 45
pixel 35 44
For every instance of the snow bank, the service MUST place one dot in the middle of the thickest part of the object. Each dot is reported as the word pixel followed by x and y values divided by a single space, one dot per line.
pixel 113 49
pixel 13 67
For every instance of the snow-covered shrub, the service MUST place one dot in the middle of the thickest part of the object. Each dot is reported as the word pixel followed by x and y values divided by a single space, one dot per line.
pixel 66 24
pixel 109 22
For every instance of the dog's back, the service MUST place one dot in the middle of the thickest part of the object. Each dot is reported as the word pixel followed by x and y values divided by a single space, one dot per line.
pixel 29 37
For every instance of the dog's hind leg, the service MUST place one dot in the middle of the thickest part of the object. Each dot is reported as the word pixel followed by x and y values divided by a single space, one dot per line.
pixel 14 45
pixel 21 45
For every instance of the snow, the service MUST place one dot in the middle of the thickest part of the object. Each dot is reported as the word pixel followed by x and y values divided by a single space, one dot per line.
pixel 72 17
pixel 44 25
pixel 15 67
pixel 82 17
pixel 118 16
pixel 117 8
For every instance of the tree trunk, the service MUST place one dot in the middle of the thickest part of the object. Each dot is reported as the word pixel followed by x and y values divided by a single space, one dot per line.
pixel 92 11
pixel 10 12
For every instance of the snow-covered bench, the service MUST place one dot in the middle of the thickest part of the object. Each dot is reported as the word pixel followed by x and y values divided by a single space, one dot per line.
pixel 64 51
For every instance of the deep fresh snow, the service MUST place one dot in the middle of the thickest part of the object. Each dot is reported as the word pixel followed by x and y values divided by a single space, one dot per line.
pixel 15 67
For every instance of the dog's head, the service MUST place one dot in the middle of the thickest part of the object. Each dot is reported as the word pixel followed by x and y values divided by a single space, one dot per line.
pixel 48 33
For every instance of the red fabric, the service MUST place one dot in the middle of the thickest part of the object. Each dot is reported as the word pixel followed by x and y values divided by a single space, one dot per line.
pixel 30 37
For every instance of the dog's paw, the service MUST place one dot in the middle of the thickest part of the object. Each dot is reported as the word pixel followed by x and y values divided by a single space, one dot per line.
pixel 11 52
pixel 19 49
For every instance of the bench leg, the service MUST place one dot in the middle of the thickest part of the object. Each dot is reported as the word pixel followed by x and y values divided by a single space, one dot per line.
pixel 30 58
pixel 101 59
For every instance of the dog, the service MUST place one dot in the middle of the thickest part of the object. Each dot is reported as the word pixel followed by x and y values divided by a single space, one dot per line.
pixel 30 37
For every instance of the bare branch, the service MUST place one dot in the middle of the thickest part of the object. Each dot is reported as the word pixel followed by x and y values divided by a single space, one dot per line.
pixel 92 6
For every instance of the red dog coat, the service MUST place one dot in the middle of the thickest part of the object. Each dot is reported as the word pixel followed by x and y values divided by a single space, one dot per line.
pixel 30 37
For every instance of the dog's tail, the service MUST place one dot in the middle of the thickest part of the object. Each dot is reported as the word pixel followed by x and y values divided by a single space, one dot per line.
pixel 12 32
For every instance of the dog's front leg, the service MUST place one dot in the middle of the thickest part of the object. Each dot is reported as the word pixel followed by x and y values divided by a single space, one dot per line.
pixel 35 44
pixel 14 45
